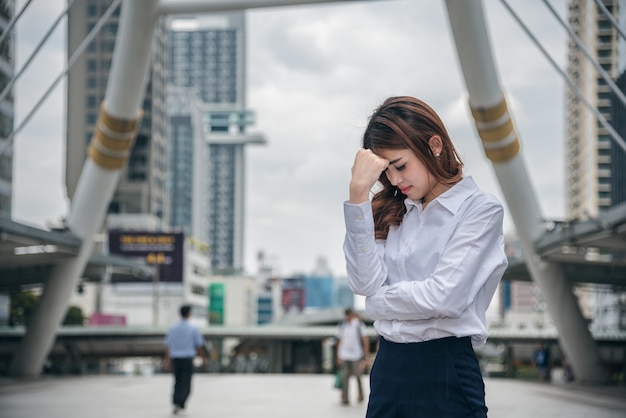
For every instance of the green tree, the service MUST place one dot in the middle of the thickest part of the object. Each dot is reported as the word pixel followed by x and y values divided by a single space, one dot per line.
pixel 23 304
pixel 74 316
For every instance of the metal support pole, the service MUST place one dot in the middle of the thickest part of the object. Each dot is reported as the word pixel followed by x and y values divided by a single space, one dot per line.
pixel 497 132
pixel 108 153
pixel 155 298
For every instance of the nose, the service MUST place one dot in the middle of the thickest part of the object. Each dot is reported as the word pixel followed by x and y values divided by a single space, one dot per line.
pixel 393 176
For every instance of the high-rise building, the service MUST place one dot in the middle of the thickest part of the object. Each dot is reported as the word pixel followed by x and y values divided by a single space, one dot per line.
pixel 618 116
pixel 142 186
pixel 593 166
pixel 596 163
pixel 618 155
pixel 7 67
pixel 207 54
pixel 188 177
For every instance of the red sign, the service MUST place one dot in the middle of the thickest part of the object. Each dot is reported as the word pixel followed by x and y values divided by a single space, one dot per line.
pixel 101 319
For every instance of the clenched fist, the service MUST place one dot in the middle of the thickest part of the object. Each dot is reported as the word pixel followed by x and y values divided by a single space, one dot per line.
pixel 366 170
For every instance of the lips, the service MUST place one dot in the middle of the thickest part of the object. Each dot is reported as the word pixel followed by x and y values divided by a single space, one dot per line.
pixel 404 190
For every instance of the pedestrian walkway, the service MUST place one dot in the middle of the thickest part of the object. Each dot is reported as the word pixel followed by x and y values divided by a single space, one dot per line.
pixel 273 396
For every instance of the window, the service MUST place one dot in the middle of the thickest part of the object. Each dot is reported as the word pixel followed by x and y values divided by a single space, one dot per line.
pixel 92 101
pixel 6 125
pixel 6 168
pixel 5 204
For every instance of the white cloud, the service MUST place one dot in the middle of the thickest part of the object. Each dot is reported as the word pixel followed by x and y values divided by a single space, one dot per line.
pixel 315 73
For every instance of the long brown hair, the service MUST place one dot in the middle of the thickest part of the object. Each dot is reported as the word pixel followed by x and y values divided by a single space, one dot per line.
pixel 407 123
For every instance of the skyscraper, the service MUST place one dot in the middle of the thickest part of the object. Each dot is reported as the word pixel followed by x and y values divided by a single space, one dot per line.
pixel 207 54
pixel 188 177
pixel 142 187
pixel 7 66
pixel 596 163
pixel 618 115
pixel 593 157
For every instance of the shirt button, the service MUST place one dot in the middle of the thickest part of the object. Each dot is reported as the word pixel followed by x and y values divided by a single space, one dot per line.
pixel 359 217
pixel 361 249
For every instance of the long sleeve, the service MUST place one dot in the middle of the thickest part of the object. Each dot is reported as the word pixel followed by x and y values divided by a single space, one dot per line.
pixel 364 255
pixel 472 259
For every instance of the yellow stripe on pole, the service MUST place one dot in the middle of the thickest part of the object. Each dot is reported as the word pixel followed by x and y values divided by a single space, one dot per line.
pixel 501 155
pixel 499 132
pixel 109 142
pixel 489 114
pixel 112 140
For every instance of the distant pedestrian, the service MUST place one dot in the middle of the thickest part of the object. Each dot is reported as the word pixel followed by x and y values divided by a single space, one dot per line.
pixel 352 350
pixel 542 361
pixel 183 342
pixel 568 372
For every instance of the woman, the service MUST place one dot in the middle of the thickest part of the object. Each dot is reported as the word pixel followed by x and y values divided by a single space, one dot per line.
pixel 428 253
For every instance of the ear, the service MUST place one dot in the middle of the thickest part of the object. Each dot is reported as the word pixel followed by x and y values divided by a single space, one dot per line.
pixel 436 144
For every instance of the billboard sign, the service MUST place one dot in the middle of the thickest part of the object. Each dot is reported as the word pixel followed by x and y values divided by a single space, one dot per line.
pixel 217 292
pixel 293 294
pixel 161 249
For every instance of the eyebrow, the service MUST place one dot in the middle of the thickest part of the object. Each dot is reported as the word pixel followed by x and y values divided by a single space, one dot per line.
pixel 395 161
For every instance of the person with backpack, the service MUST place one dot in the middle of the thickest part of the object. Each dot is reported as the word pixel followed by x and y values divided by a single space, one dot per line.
pixel 352 348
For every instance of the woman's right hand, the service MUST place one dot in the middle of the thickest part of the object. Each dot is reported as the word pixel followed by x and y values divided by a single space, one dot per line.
pixel 366 171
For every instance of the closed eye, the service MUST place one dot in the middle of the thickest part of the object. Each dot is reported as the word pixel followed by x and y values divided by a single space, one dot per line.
pixel 402 167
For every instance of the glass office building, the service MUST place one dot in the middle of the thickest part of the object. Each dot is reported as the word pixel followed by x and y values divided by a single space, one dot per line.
pixel 594 174
pixel 7 68
pixel 207 56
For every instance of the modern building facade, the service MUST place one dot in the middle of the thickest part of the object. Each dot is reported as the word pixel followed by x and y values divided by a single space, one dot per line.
pixel 596 163
pixel 618 116
pixel 188 179
pixel 617 165
pixel 227 184
pixel 207 55
pixel 142 186
pixel 7 67
pixel 593 158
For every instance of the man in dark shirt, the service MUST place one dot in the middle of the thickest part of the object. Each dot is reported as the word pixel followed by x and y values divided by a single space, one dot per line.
pixel 541 358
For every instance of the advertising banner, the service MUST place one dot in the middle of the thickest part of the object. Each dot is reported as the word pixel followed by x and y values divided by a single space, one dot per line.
pixel 162 249
pixel 216 303
pixel 294 296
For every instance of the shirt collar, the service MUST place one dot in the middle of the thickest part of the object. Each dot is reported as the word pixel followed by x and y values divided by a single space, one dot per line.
pixel 453 198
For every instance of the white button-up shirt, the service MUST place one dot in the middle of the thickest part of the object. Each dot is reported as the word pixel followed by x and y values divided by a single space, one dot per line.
pixel 435 274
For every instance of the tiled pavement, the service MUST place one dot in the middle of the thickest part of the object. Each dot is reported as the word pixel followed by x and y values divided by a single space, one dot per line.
pixel 275 396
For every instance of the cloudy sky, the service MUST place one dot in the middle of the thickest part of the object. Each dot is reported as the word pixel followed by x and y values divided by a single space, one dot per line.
pixel 315 73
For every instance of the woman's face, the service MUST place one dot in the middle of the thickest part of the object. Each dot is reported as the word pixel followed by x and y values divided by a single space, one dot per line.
pixel 409 174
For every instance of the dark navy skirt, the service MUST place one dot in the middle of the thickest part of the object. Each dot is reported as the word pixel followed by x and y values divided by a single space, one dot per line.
pixel 432 379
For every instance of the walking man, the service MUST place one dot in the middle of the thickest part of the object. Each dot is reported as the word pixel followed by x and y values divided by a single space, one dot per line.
pixel 352 349
pixel 542 361
pixel 183 342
